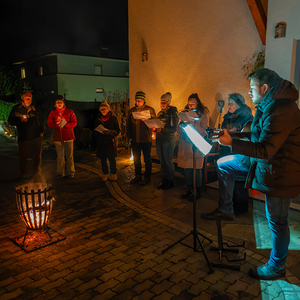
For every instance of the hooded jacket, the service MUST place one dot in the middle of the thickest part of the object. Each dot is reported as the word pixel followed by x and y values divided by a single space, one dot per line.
pixel 65 133
pixel 274 149
pixel 137 130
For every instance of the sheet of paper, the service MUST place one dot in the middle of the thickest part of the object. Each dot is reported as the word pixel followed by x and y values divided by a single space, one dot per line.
pixel 100 128
pixel 62 123
pixel 187 115
pixel 153 123
pixel 145 114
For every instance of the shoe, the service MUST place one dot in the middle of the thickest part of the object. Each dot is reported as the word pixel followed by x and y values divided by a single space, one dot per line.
pixel 162 184
pixel 266 272
pixel 113 177
pixel 70 176
pixel 104 177
pixel 60 176
pixel 218 215
pixel 189 193
pixel 169 185
pixel 136 178
pixel 145 181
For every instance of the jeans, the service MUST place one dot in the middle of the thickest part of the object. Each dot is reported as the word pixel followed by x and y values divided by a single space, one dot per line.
pixel 189 175
pixel 165 150
pixel 137 149
pixel 229 170
pixel 277 209
pixel 65 159
pixel 112 162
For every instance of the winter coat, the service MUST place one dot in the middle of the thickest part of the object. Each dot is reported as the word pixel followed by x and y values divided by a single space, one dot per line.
pixel 107 143
pixel 185 146
pixel 169 120
pixel 30 130
pixel 137 130
pixel 275 144
pixel 237 120
pixel 65 133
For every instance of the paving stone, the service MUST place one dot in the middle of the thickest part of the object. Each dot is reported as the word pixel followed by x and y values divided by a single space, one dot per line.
pixel 129 274
pixel 65 287
pixel 164 296
pixel 179 287
pixel 51 285
pixel 13 294
pixel 178 277
pixel 149 264
pixel 102 287
pixel 237 287
pixel 202 285
pixel 60 274
pixel 161 287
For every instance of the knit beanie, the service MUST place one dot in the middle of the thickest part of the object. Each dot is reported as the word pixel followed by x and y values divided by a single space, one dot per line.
pixel 104 104
pixel 140 95
pixel 237 98
pixel 60 98
pixel 167 97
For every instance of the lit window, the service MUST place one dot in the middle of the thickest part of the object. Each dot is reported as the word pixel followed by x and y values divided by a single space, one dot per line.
pixel 99 90
pixel 41 71
pixel 23 73
pixel 98 70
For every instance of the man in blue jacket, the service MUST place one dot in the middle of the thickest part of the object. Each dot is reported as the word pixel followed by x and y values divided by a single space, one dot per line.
pixel 269 162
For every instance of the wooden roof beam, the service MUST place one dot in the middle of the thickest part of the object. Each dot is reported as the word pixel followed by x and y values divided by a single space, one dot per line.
pixel 259 17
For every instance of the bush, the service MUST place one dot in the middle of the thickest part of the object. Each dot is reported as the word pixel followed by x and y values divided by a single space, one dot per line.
pixel 5 108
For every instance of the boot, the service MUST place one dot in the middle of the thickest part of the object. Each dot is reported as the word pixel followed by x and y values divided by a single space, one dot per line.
pixel 169 185
pixel 162 184
pixel 188 193
pixel 136 179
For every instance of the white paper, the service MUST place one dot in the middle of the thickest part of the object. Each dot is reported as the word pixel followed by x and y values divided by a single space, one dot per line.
pixel 144 114
pixel 153 123
pixel 186 115
pixel 100 128
pixel 62 123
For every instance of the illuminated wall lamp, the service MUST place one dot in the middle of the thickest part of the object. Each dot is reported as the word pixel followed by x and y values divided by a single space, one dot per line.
pixel 280 30
pixel 145 57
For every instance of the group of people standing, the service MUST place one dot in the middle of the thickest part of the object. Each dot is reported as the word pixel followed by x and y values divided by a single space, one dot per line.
pixel 30 126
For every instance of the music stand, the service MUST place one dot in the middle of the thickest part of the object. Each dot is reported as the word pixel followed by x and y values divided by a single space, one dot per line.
pixel 204 147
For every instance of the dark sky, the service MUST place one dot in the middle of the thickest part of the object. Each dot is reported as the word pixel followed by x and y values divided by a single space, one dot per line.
pixel 36 27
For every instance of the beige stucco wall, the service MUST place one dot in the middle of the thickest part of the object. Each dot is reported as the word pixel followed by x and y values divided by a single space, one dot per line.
pixel 280 52
pixel 192 46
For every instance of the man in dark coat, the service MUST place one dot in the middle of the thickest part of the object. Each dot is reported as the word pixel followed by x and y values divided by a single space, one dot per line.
pixel 30 126
pixel 270 162
pixel 140 137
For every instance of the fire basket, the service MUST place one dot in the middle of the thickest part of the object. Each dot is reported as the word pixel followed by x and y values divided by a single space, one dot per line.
pixel 34 202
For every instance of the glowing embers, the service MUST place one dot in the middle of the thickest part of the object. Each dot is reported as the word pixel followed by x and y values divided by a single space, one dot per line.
pixel 34 202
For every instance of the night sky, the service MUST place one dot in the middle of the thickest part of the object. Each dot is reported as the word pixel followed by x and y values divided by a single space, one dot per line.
pixel 36 27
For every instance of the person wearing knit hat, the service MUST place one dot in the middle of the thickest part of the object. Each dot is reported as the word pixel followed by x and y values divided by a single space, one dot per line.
pixel 140 137
pixel 104 103
pixel 238 115
pixel 63 120
pixel 30 127
pixel 106 140
pixel 165 140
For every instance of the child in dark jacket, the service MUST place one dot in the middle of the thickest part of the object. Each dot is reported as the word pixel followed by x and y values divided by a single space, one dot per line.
pixel 106 131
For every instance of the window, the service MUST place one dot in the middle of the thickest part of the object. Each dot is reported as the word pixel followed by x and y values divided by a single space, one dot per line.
pixel 41 71
pixel 98 70
pixel 23 73
pixel 100 90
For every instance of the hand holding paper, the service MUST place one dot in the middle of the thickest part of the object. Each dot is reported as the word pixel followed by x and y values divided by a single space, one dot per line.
pixel 139 115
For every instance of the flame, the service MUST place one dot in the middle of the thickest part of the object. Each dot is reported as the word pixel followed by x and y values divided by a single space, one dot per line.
pixel 131 157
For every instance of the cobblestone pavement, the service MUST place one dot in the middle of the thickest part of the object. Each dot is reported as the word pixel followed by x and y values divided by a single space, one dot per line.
pixel 115 234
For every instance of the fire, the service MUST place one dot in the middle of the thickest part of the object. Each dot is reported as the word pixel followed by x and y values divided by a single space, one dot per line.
pixel 33 220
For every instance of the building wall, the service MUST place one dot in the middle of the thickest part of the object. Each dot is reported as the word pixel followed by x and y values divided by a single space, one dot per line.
pixel 282 54
pixel 82 88
pixel 75 64
pixel 192 46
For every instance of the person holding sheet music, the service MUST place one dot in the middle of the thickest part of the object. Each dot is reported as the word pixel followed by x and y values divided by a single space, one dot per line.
pixel 140 137
pixel 185 146
pixel 165 140
pixel 106 132
pixel 63 120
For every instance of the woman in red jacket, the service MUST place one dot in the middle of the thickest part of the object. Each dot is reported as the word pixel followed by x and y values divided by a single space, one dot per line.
pixel 63 120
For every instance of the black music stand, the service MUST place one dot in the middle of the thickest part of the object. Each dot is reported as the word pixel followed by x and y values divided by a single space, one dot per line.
pixel 193 232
